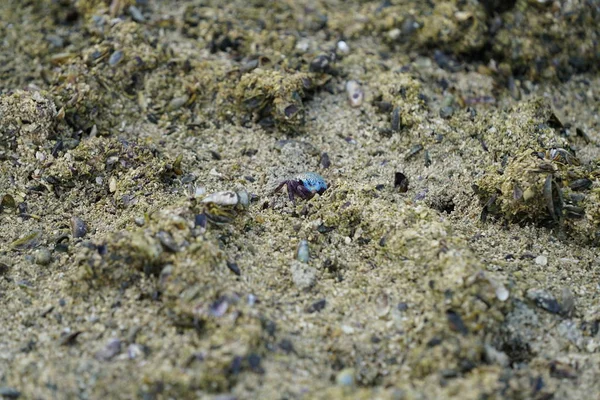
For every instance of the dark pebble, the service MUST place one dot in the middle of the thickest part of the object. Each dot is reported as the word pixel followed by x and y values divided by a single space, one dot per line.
pixel 8 202
pixel 233 267
pixel 562 371
pixel 456 323
pixel 254 363
pixel 236 365
pixel 401 182
pixel 316 306
pixel 200 220
pixel 3 268
pixel 167 241
pixel 581 184
pixel 544 300
pixel 379 187
pixel 78 227
pixel 9 393
pixel 286 345
pixel 325 229
pixel 402 306
pixel 446 112
pixel 320 64
pixel 396 120
pixel 69 339
pixel 325 162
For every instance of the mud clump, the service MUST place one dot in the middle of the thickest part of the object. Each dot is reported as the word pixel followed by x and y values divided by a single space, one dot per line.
pixel 29 120
pixel 547 187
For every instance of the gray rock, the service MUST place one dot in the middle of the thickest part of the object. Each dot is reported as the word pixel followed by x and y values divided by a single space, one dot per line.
pixel 43 256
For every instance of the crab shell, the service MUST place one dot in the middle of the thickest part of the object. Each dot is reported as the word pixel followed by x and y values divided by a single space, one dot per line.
pixel 229 198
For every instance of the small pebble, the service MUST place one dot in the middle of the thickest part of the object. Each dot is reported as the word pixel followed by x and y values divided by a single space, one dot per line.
pixel 396 119
pixel 136 14
pixel 78 227
pixel 319 64
pixel 43 256
pixel 112 184
pixel 115 58
pixel 446 112
pixel 111 349
pixel 325 161
pixel 233 267
pixel 541 260
pixel 302 254
pixel 401 182
pixel 342 47
pixel 9 393
pixel 345 377
pixel 544 299
pixel 178 102
pixel 317 306
pixel 139 221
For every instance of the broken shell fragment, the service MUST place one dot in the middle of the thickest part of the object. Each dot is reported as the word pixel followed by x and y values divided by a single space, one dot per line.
pixel 302 254
pixel 226 198
pixel 355 93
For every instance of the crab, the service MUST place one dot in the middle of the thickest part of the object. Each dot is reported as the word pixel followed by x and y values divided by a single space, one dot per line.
pixel 223 207
pixel 304 185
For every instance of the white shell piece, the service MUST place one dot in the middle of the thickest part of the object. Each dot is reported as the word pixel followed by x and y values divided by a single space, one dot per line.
pixel 227 198
pixel 355 93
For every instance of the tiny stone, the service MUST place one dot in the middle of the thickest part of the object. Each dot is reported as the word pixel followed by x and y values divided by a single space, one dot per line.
pixel 115 58
pixel 317 306
pixel 544 299
pixel 9 393
pixel 112 184
pixel 136 14
pixel 43 256
pixel 233 267
pixel 345 377
pixel 343 47
pixel 111 349
pixel 541 260
pixel 139 221
pixel 78 227
pixel 394 33
pixel 446 112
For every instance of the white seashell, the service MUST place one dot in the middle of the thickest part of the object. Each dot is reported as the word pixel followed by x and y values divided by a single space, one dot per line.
pixel 227 198
pixel 355 93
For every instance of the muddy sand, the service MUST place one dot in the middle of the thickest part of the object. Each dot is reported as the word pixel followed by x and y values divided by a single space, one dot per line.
pixel 454 254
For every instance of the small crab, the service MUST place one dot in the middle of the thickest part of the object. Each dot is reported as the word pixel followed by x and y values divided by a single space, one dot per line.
pixel 222 207
pixel 303 185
